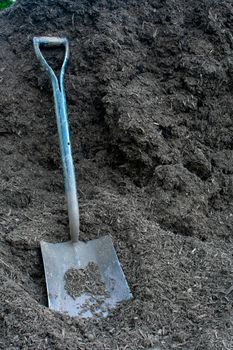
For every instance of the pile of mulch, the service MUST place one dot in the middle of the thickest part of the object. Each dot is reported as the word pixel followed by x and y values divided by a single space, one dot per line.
pixel 149 90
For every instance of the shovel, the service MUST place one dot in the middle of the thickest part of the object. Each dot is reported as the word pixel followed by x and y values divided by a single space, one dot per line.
pixel 83 279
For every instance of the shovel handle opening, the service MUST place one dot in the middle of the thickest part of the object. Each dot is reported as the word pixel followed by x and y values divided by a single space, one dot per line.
pixel 47 41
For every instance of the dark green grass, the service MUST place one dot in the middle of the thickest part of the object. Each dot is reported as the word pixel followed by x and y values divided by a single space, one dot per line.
pixel 6 3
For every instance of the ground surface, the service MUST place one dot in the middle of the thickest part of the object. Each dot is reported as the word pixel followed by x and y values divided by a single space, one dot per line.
pixel 150 102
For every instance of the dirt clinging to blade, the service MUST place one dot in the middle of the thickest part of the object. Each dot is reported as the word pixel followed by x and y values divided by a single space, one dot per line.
pixel 85 280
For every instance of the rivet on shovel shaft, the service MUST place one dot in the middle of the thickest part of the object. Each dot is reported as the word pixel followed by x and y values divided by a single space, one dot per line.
pixel 83 278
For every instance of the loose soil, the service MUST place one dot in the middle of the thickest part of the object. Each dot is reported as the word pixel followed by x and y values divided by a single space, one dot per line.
pixel 85 280
pixel 149 90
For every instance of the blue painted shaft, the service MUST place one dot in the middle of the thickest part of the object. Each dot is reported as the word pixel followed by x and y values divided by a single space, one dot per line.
pixel 63 130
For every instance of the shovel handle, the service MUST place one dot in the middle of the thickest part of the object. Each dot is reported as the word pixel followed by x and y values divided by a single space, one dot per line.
pixel 63 128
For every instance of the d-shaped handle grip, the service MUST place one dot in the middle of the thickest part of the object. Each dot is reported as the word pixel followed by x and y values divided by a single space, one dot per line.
pixel 47 41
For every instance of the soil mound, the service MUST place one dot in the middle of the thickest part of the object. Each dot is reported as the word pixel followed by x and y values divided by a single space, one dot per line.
pixel 149 90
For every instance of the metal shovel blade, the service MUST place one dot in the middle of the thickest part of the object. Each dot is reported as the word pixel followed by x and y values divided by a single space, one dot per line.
pixel 84 300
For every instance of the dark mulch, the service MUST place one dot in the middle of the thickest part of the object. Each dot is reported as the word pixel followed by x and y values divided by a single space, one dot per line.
pixel 149 90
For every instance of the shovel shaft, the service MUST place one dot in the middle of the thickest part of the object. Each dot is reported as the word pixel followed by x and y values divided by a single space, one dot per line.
pixel 63 129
